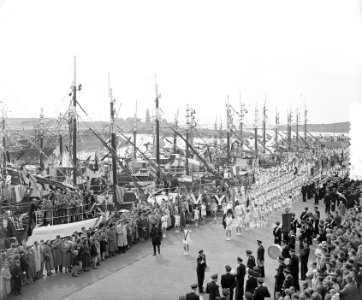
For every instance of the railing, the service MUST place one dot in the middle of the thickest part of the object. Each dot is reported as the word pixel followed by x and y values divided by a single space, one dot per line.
pixel 72 214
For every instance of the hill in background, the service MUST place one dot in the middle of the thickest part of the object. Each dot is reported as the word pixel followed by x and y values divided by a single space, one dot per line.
pixel 143 127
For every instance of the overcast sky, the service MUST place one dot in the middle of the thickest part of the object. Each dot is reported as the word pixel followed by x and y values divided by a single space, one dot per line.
pixel 289 52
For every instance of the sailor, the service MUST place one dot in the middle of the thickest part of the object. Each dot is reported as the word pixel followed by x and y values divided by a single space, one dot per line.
pixel 261 258
pixel 250 264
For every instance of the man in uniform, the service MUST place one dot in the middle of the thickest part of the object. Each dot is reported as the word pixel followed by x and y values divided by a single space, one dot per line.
pixel 285 249
pixel 288 281
pixel 251 282
pixel 316 217
pixel 261 292
pixel 291 243
pixel 212 288
pixel 250 264
pixel 279 277
pixel 240 275
pixel 200 270
pixel 294 268
pixel 228 281
pixel 304 256
pixel 304 214
pixel 192 295
pixel 277 232
pixel 260 258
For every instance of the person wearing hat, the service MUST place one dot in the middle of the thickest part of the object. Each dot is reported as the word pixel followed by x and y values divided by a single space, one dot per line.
pixel 228 281
pixel 304 256
pixel 279 277
pixel 193 295
pixel 288 281
pixel 260 258
pixel 304 214
pixel 277 232
pixel 240 277
pixel 285 249
pixel 156 236
pixel 316 217
pixel 294 267
pixel 212 288
pixel 251 260
pixel 57 254
pixel 200 270
pixel 251 282
pixel 261 292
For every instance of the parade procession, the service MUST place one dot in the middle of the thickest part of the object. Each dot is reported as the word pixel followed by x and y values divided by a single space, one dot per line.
pixel 194 151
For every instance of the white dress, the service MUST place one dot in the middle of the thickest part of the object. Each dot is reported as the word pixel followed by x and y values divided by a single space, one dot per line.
pixel 203 210
pixel 229 222
pixel 197 214
pixel 187 237
pixel 164 221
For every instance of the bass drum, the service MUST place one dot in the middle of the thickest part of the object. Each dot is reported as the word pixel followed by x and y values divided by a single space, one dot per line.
pixel 274 251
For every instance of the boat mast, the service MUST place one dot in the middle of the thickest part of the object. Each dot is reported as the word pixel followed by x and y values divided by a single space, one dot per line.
pixel 305 123
pixel 4 141
pixel 135 133
pixel 276 128
pixel 41 162
pixel 74 123
pixel 113 141
pixel 187 138
pixel 229 124
pixel 60 140
pixel 175 135
pixel 297 137
pixel 264 126
pixel 157 128
pixel 289 130
pixel 256 130
pixel 242 111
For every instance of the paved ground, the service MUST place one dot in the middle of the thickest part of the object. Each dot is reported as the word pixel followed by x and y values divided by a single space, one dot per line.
pixel 138 274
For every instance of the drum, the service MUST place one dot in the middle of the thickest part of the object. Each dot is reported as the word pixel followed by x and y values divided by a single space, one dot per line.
pixel 274 251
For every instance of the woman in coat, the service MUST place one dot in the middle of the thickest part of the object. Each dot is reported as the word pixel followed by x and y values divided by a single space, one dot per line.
pixel 29 256
pixel 48 258
pixel 86 259
pixel 122 237
pixel 57 252
pixel 5 277
pixel 156 235
pixel 66 254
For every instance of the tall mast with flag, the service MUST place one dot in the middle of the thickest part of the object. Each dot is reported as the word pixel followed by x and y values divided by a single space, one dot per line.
pixel 41 162
pixel 135 133
pixel 113 141
pixel 74 122
pixel 158 96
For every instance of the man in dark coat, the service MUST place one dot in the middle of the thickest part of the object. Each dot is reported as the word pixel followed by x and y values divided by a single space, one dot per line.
pixel 285 249
pixel 304 256
pixel 228 281
pixel 251 282
pixel 288 281
pixel 251 260
pixel 277 232
pixel 200 270
pixel 156 236
pixel 291 243
pixel 212 288
pixel 304 192
pixel 192 295
pixel 304 214
pixel 261 292
pixel 260 258
pixel 279 277
pixel 316 217
pixel 294 268
pixel 240 276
